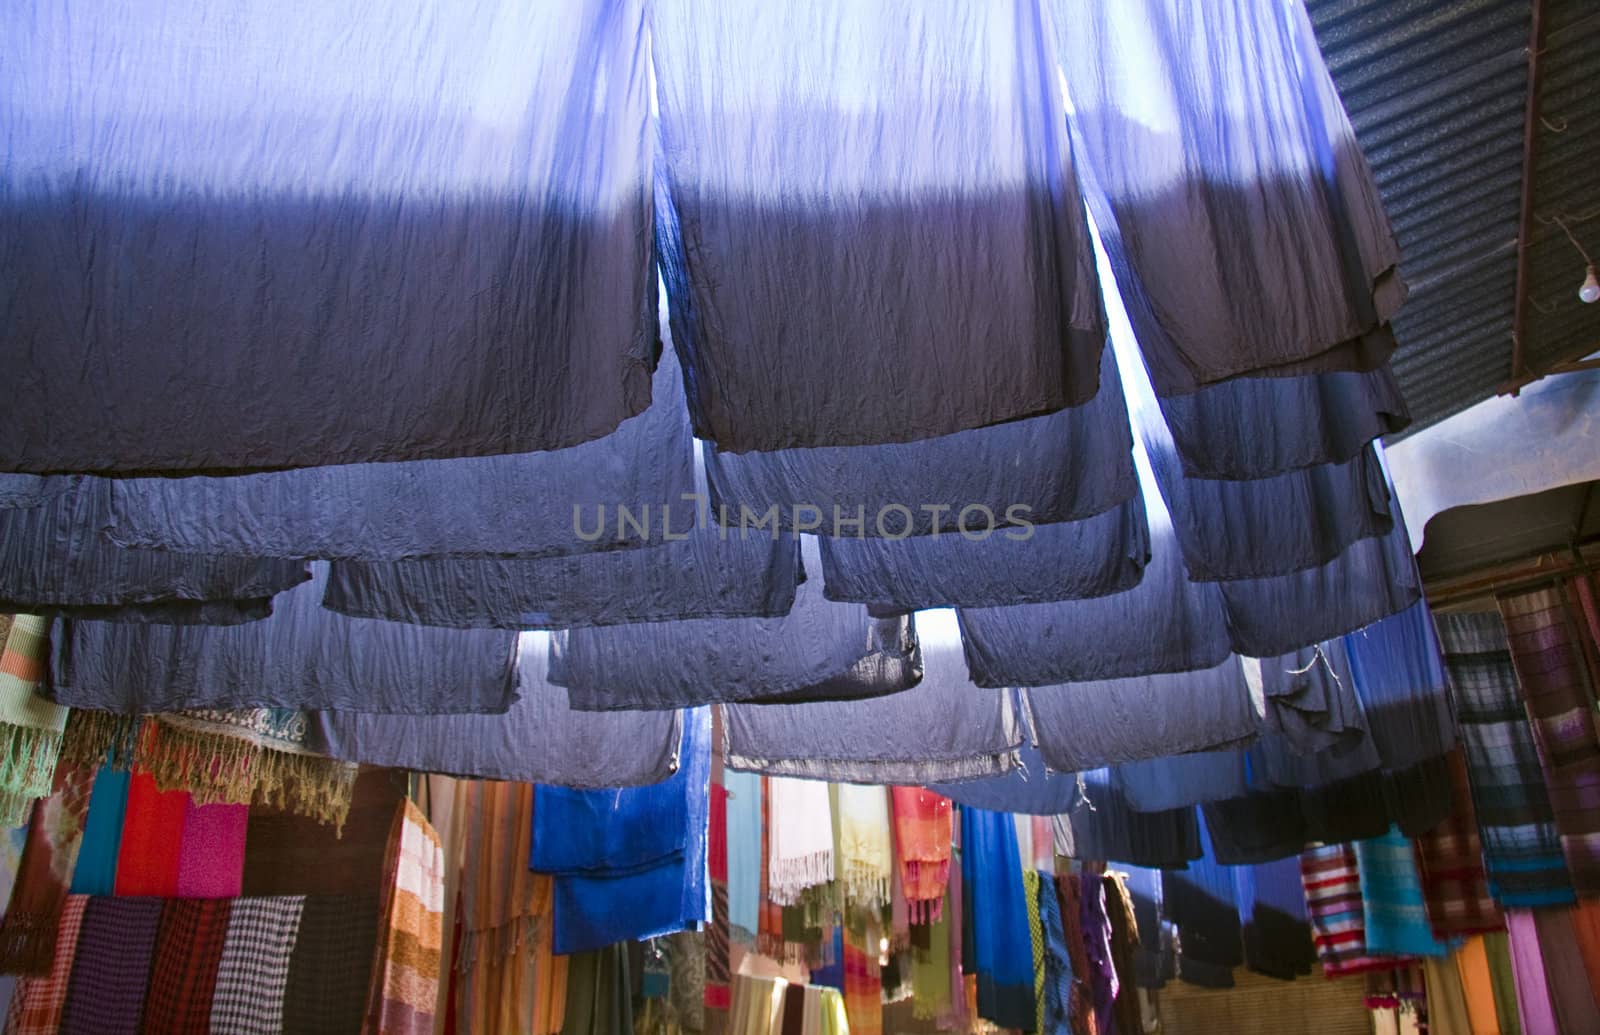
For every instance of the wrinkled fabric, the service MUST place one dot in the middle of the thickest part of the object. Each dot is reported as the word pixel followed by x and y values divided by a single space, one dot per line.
pixel 942 729
pixel 1063 467
pixel 531 504
pixel 1101 825
pixel 1201 900
pixel 818 644
pixel 31 490
pixel 1028 788
pixel 1092 557
pixel 801 198
pixel 703 576
pixel 1002 957
pixel 302 657
pixel 54 560
pixel 1235 144
pixel 1399 674
pixel 1272 911
pixel 209 249
pixel 539 740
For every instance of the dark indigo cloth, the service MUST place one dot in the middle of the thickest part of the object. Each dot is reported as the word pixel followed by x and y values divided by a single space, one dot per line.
pixel 702 576
pixel 836 649
pixel 1272 909
pixel 30 490
pixel 303 657
pixel 596 908
pixel 1092 557
pixel 1154 962
pixel 1399 674
pixel 539 740
pixel 543 504
pixel 1057 961
pixel 53 560
pixel 1065 466
pixel 1028 788
pixel 801 198
pixel 1102 825
pixel 1201 900
pixel 1002 955
pixel 944 728
pixel 1092 724
pixel 254 248
pixel 1236 145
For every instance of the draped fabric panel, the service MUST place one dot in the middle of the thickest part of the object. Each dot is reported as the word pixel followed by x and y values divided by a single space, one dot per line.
pixel 215 230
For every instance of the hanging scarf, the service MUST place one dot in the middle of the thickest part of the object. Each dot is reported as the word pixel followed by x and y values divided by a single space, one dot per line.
pixel 956 1016
pixel 37 1002
pixel 716 993
pixel 1057 963
pixel 111 971
pixel 405 981
pixel 152 833
pixel 330 969
pixel 1332 881
pixel 866 854
pixel 1393 914
pixel 931 968
pixel 1002 957
pixel 922 830
pixel 253 973
pixel 55 833
pixel 96 872
pixel 183 975
pixel 745 863
pixel 769 936
pixel 30 726
pixel 801 831
pixel 1030 886
pixel 863 983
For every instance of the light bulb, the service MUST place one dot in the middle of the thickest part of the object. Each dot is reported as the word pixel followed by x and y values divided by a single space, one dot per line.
pixel 1590 292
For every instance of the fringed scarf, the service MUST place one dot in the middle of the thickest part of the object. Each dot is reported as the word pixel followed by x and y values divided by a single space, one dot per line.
pixel 866 854
pixel 30 726
pixel 801 834
pixel 922 830
pixel 405 983
pixel 254 756
pixel 55 833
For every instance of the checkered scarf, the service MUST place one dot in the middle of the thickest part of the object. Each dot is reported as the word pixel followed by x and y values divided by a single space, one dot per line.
pixel 253 973
pixel 184 976
pixel 111 970
pixel 37 1001
pixel 1450 862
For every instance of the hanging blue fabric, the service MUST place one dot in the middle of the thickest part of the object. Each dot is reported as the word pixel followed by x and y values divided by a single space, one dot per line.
pixel 1028 788
pixel 1399 673
pixel 1102 825
pixel 1003 954
pixel 1200 900
pixel 96 871
pixel 1272 909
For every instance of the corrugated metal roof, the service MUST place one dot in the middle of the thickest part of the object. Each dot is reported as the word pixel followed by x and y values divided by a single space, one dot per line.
pixel 1437 90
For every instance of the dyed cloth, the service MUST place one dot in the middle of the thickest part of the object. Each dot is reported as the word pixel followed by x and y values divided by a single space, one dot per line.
pixel 1333 898
pixel 211 855
pixel 1057 963
pixel 183 974
pixel 304 656
pixel 729 205
pixel 54 560
pixel 932 965
pixel 1272 911
pixel 541 739
pixel 1536 1011
pixel 944 728
pixel 330 970
pixel 1522 851
pixel 1498 948
pixel 1201 900
pixel 405 977
pixel 538 303
pixel 866 845
pixel 152 836
pixel 598 1000
pixel 1393 914
pixel 1001 955
pixel 1543 631
pixel 30 725
pixel 822 648
pixel 112 966
pixel 1124 944
pixel 289 854
pixel 37 1002
pixel 923 825
pixel 656 889
pixel 1477 985
pixel 744 854
pixel 1080 1000
pixel 800 852
pixel 253 974
pixel 519 505
pixel 1100 825
pixel 1030 887
pixel 96 871
pixel 1400 680
pixel 1450 863
pixel 1102 983
pixel 1571 988
pixel 863 984
pixel 1254 139
pixel 1029 787
pixel 49 856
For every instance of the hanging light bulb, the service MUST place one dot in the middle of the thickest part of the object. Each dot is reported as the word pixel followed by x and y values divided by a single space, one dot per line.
pixel 1590 292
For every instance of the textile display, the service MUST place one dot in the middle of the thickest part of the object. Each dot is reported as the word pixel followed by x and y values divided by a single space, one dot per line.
pixel 866 846
pixel 935 972
pixel 406 970
pixel 1399 675
pixel 37 1002
pixel 183 972
pixel 1202 901
pixel 1536 1009
pixel 1332 879
pixel 30 725
pixel 744 854
pixel 1393 915
pixel 1522 851
pixel 598 999
pixel 1498 948
pixel 303 656
pixel 1542 631
pixel 49 855
pixel 1001 954
pixel 1058 975
pixel 1272 910
pixel 1447 999
pixel 863 984
pixel 112 965
pixel 923 827
pixel 96 869
pixel 1126 1007
pixel 943 728
pixel 211 854
pixel 1450 862
pixel 540 739
pixel 288 854
pixel 1477 985
pixel 801 852
pixel 1101 825
pixel 1029 787
pixel 1566 975
pixel 152 837
pixel 1030 887
pixel 469 506
pixel 253 973
pixel 331 967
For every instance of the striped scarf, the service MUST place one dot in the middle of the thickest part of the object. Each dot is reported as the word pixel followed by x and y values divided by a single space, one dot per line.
pixel 405 983
pixel 1332 881
pixel 30 726
pixel 923 825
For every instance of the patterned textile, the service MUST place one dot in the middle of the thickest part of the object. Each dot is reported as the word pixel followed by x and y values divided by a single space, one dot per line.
pixel 714 952
pixel 211 857
pixel 1080 1001
pixel 1450 861
pixel 405 982
pixel 184 974
pixel 1395 921
pixel 717 966
pixel 1522 853
pixel 1057 962
pixel 111 970
pixel 1544 634
pixel 687 979
pixel 49 856
pixel 863 984
pixel 1333 897
pixel 866 849
pixel 253 974
pixel 37 1002
pixel 330 969
pixel 923 827
pixel 1030 886
pixel 30 726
